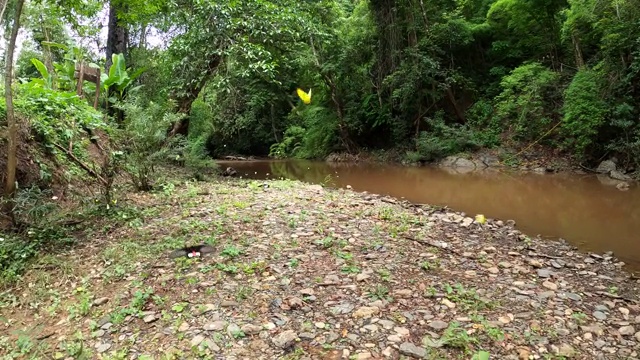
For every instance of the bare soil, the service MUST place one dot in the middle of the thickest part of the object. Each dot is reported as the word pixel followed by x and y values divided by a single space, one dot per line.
pixel 304 272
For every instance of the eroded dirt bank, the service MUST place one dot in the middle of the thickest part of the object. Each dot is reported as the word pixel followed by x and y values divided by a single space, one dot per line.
pixel 303 272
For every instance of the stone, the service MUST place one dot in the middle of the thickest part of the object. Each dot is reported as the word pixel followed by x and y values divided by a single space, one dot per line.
pixel 211 345
pixel 637 336
pixel 606 167
pixel 574 297
pixel 102 347
pixel 493 270
pixel 362 277
pixel 307 292
pixel 100 301
pixel 184 327
pixel 438 325
pixel 409 349
pixel 402 331
pixel 149 318
pixel 215 326
pixel 251 329
pixel 197 340
pixel 403 292
pixel 448 303
pixel 387 324
pixel 627 330
pixel 615 174
pixel 599 315
pixel 566 350
pixel 363 356
pixel 233 329
pixel 320 325
pixel 544 273
pixel 549 285
pixel 394 338
pixel 284 339
pixel 599 344
pixel 366 312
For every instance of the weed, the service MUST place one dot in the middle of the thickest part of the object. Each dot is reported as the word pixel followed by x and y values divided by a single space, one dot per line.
pixel 430 265
pixel 231 251
pixel 379 292
pixel 243 293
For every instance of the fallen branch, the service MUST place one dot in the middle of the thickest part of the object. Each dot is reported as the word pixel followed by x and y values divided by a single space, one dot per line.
pixel 432 244
pixel 614 296
pixel 81 164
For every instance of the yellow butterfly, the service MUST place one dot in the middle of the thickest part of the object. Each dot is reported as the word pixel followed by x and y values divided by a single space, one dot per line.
pixel 306 98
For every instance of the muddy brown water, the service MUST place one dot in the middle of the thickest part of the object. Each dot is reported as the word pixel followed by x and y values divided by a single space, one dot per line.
pixel 582 209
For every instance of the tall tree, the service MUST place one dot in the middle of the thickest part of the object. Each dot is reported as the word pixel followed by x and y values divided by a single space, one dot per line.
pixel 12 158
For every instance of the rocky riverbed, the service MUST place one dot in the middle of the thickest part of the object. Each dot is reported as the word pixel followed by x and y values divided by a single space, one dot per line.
pixel 305 272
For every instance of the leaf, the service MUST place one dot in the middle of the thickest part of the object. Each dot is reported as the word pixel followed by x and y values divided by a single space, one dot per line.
pixel 481 355
pixel 42 69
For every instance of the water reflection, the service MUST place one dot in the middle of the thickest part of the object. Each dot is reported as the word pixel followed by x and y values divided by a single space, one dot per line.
pixel 579 208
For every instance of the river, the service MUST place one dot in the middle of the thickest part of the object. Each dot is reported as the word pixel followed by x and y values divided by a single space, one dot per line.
pixel 578 208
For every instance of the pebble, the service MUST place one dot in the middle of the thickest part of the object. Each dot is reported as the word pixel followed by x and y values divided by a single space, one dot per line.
pixel 549 285
pixel 409 349
pixel 210 344
pixel 403 293
pixel 366 312
pixel 197 340
pixel 599 344
pixel 284 339
pixel 363 356
pixel 102 347
pixel 184 327
pixel 394 338
pixel 387 324
pixel 565 350
pixel 627 330
pixel 150 318
pixel 438 325
pixel 362 277
pixel 251 329
pixel 544 273
pixel 599 315
pixel 402 331
pixel 493 270
pixel 574 297
pixel 448 303
pixel 307 292
pixel 320 325
pixel 233 329
pixel 215 326
pixel 100 301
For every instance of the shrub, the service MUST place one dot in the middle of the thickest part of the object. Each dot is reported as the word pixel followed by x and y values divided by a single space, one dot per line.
pixel 584 111
pixel 525 105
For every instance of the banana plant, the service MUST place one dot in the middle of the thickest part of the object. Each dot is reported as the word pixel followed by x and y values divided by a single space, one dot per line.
pixel 118 78
pixel 47 78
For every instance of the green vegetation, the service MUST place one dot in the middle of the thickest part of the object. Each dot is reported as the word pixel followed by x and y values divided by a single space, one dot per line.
pixel 423 79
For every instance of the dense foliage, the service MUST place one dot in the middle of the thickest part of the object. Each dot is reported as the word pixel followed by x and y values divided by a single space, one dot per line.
pixel 403 74
pixel 383 73
pixel 182 81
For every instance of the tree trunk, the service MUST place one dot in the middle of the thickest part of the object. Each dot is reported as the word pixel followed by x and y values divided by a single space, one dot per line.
pixel 12 156
pixel 116 44
pixel 456 108
pixel 190 95
pixel 116 34
pixel 577 51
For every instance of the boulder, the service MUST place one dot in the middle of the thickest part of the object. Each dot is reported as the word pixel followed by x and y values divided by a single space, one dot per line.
pixel 618 175
pixel 606 167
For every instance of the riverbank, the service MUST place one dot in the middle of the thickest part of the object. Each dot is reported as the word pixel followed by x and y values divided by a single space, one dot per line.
pixel 304 272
